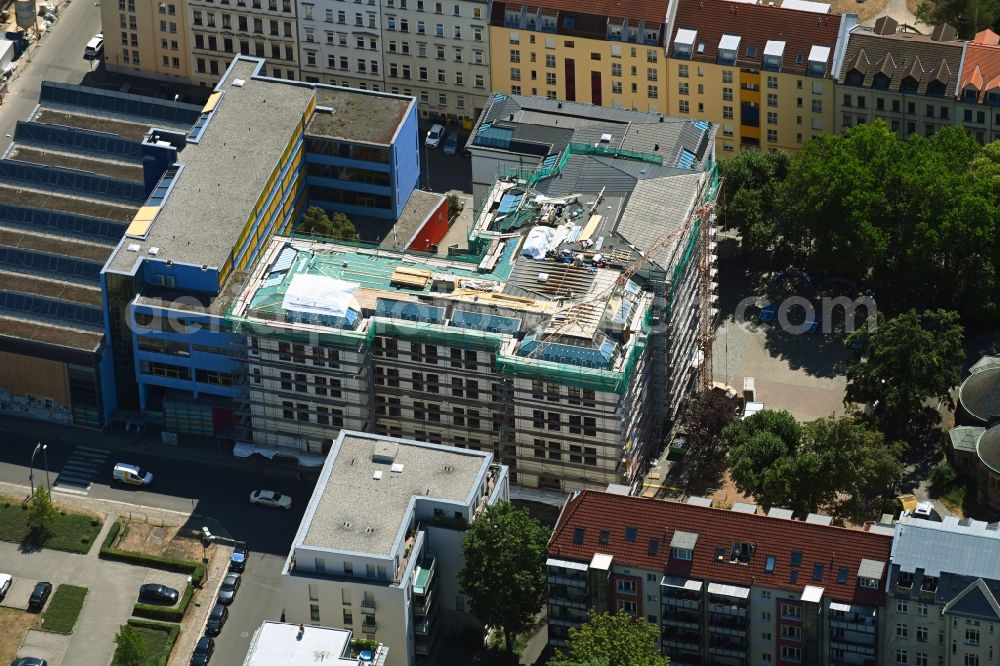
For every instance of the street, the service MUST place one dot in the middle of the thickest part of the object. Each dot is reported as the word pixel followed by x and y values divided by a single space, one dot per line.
pixel 57 57
pixel 215 493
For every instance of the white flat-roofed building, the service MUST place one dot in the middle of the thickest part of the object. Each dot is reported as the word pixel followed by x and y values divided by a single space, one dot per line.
pixel 284 643
pixel 380 546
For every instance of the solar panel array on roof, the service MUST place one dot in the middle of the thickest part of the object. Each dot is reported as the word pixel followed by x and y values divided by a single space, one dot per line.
pixel 112 101
pixel 58 222
pixel 72 181
pixel 494 137
pixel 485 322
pixel 77 140
pixel 64 268
pixel 284 260
pixel 686 159
pixel 46 309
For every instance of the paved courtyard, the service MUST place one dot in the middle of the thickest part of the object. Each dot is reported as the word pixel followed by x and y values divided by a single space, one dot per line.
pixel 45 645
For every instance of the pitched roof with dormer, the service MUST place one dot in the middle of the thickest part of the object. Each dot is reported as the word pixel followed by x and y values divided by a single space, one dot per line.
pixel 886 58
pixel 726 546
pixel 794 36
pixel 981 69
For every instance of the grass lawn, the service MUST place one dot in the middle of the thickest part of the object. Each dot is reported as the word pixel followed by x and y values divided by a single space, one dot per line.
pixel 15 624
pixel 73 532
pixel 159 640
pixel 63 609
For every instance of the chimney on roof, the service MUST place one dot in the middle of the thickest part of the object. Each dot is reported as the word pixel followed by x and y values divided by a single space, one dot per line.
pixel 944 33
pixel 886 25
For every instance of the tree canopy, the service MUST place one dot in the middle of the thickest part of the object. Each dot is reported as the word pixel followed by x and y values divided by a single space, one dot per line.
pixel 903 361
pixel 336 225
pixel 613 640
pixel 967 16
pixel 916 219
pixel 839 465
pixel 42 512
pixel 131 650
pixel 504 573
pixel 704 418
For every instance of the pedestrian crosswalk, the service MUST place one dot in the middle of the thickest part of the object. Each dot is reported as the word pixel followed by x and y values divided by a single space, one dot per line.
pixel 80 469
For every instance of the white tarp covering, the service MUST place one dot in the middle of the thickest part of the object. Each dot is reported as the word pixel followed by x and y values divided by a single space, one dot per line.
pixel 319 294
pixel 538 242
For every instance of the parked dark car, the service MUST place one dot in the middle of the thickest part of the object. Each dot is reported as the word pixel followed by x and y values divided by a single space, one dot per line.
pixel 216 620
pixel 203 651
pixel 29 661
pixel 230 584
pixel 238 560
pixel 39 596
pixel 154 593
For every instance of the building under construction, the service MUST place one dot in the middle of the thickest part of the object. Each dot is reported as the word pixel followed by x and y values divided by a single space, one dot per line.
pixel 563 340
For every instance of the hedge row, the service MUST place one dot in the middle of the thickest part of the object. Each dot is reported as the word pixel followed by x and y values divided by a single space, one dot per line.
pixel 194 569
pixel 163 613
pixel 159 653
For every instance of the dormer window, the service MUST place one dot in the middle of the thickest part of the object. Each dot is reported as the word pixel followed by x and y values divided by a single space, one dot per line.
pixel 684 43
pixel 818 56
pixel 905 580
pixel 970 94
pixel 615 30
pixel 773 51
pixel 681 554
pixel 993 97
pixel 935 89
pixel 729 46
pixel 929 584
pixel 512 18
pixel 881 81
pixel 870 583
pixel 682 545
pixel 854 78
pixel 909 85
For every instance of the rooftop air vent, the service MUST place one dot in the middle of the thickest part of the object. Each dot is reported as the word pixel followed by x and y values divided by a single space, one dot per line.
pixel 133 247
pixel 605 138
pixel 238 83
pixel 397 468
pixel 153 251
pixel 377 475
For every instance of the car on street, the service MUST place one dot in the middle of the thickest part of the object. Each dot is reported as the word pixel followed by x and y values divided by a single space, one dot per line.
pixel 230 585
pixel 451 144
pixel 154 593
pixel 434 136
pixel 29 661
pixel 94 47
pixel 216 620
pixel 5 581
pixel 131 475
pixel 203 651
pixel 271 498
pixel 238 560
pixel 39 596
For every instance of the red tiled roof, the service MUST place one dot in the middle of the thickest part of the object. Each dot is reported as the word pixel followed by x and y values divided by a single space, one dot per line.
pixel 982 64
pixel 756 24
pixel 654 11
pixel 832 547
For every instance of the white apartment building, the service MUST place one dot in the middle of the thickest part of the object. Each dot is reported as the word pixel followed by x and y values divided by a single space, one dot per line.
pixel 943 592
pixel 380 546
pixel 340 42
pixel 261 28
pixel 286 643
pixel 438 51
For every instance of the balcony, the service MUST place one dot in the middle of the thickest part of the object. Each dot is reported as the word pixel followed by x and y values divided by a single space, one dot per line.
pixel 368 607
pixel 572 581
pixel 682 645
pixel 727 610
pixel 676 602
pixel 854 625
pixel 727 650
pixel 424 627
pixel 580 601
pixel 730 628
pixel 369 626
pixel 854 648
pixel 681 623
pixel 422 604
pixel 424 576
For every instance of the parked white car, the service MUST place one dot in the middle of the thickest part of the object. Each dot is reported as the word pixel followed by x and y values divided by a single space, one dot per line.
pixel 271 498
pixel 434 136
pixel 5 581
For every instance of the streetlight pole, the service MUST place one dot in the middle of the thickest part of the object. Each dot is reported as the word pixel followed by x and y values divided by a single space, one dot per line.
pixel 31 473
pixel 45 457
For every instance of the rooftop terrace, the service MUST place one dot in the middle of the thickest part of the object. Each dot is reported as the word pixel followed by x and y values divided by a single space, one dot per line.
pixel 363 498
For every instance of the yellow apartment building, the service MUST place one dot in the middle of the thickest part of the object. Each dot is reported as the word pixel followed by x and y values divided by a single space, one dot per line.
pixel 582 52
pixel 147 39
pixel 764 74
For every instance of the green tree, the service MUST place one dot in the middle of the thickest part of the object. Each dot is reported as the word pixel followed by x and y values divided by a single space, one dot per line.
pixel 904 361
pixel 131 650
pixel 834 464
pixel 504 573
pixel 615 640
pixel 967 16
pixel 336 225
pixel 750 196
pixel 42 512
pixel 704 418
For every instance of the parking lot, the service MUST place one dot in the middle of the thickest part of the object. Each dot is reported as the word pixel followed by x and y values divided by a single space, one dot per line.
pixel 440 172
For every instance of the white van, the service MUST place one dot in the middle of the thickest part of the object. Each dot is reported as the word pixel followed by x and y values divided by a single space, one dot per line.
pixel 94 48
pixel 131 475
